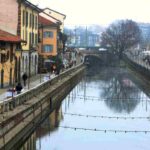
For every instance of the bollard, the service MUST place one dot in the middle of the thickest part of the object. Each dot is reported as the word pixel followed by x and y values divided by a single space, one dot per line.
pixel 50 103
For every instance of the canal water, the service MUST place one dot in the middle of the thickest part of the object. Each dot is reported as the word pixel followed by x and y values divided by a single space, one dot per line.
pixel 108 110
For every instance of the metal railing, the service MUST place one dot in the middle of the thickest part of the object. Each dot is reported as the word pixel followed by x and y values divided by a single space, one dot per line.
pixel 13 102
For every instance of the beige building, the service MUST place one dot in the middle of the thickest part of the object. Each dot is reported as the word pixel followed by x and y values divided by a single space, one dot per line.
pixel 59 16
pixel 28 30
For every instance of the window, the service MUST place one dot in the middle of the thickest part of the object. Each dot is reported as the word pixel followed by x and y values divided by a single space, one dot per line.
pixel 30 20
pixel 36 22
pixel 23 35
pixel 32 38
pixel 26 19
pixel 23 18
pixel 11 52
pixel 3 56
pixel 47 48
pixel 18 47
pixel 26 35
pixel 48 34
pixel 36 39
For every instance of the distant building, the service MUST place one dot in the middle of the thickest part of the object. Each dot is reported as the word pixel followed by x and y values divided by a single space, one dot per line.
pixel 61 17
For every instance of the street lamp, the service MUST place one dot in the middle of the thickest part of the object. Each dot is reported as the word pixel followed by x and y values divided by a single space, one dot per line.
pixel 31 50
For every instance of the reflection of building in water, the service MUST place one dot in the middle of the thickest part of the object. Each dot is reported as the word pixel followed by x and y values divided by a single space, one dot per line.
pixel 30 144
pixel 51 123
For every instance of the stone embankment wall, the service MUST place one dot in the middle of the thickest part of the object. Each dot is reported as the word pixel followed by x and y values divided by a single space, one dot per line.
pixel 21 115
pixel 139 68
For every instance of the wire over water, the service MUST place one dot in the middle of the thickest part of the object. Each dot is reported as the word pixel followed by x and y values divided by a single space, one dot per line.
pixel 105 131
pixel 106 117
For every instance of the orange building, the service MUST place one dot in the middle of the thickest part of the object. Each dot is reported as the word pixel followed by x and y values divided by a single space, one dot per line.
pixel 48 33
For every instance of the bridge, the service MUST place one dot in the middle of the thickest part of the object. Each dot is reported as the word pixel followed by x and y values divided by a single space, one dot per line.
pixel 96 57
pixel 85 47
pixel 21 114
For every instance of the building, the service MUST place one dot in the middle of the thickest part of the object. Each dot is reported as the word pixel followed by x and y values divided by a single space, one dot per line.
pixel 28 30
pixel 20 17
pixel 59 16
pixel 48 46
pixel 9 23
pixel 9 16
pixel 9 61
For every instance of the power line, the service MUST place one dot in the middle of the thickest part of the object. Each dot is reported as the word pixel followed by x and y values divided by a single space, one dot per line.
pixel 106 117
pixel 105 131
pixel 129 100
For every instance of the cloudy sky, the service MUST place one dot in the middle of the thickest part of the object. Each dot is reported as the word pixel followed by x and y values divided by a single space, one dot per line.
pixel 103 12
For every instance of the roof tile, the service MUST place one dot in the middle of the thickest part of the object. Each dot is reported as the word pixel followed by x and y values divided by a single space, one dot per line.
pixel 8 37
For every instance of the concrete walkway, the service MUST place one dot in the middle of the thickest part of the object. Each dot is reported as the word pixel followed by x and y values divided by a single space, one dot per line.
pixel 34 81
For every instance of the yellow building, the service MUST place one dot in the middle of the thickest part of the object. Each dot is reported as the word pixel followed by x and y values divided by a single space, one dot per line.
pixel 28 30
pixel 9 60
pixel 59 16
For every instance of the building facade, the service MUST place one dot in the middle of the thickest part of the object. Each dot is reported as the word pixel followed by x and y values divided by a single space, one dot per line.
pixel 48 33
pixel 28 30
pixel 9 16
pixel 9 60
pixel 61 17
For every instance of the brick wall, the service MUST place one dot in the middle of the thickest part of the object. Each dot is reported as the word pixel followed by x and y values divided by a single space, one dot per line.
pixel 9 15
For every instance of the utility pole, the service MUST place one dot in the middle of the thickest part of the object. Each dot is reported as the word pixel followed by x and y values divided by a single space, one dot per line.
pixel 29 71
pixel 86 36
pixel 75 36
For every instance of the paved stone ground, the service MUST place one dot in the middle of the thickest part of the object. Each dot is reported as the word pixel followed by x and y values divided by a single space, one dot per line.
pixel 34 81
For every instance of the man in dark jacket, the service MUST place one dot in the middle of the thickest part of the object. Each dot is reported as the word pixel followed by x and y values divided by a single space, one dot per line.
pixel 24 78
pixel 18 88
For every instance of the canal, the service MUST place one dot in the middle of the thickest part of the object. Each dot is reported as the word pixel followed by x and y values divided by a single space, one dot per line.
pixel 108 109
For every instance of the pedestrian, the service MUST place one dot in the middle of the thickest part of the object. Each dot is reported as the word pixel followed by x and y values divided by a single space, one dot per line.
pixel 54 68
pixel 18 88
pixel 24 77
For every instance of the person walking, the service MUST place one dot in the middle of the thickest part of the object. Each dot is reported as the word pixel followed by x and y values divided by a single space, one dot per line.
pixel 18 88
pixel 24 78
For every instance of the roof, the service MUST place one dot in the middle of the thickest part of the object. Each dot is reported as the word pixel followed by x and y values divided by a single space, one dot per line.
pixel 55 12
pixel 26 2
pixel 51 17
pixel 8 37
pixel 46 22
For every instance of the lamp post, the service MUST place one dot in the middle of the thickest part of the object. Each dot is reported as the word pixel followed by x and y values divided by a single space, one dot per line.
pixel 29 74
pixel 3 55
pixel 29 68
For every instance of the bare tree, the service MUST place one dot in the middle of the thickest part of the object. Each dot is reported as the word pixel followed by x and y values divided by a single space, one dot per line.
pixel 63 37
pixel 120 36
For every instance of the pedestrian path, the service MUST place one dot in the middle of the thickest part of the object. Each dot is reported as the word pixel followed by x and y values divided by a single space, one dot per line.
pixel 34 81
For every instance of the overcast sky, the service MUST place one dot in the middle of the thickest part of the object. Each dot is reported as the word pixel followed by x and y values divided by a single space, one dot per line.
pixel 102 12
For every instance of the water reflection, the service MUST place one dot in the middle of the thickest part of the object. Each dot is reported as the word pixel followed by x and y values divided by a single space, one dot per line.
pixel 30 143
pixel 48 126
pixel 109 92
pixel 122 91
pixel 51 123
